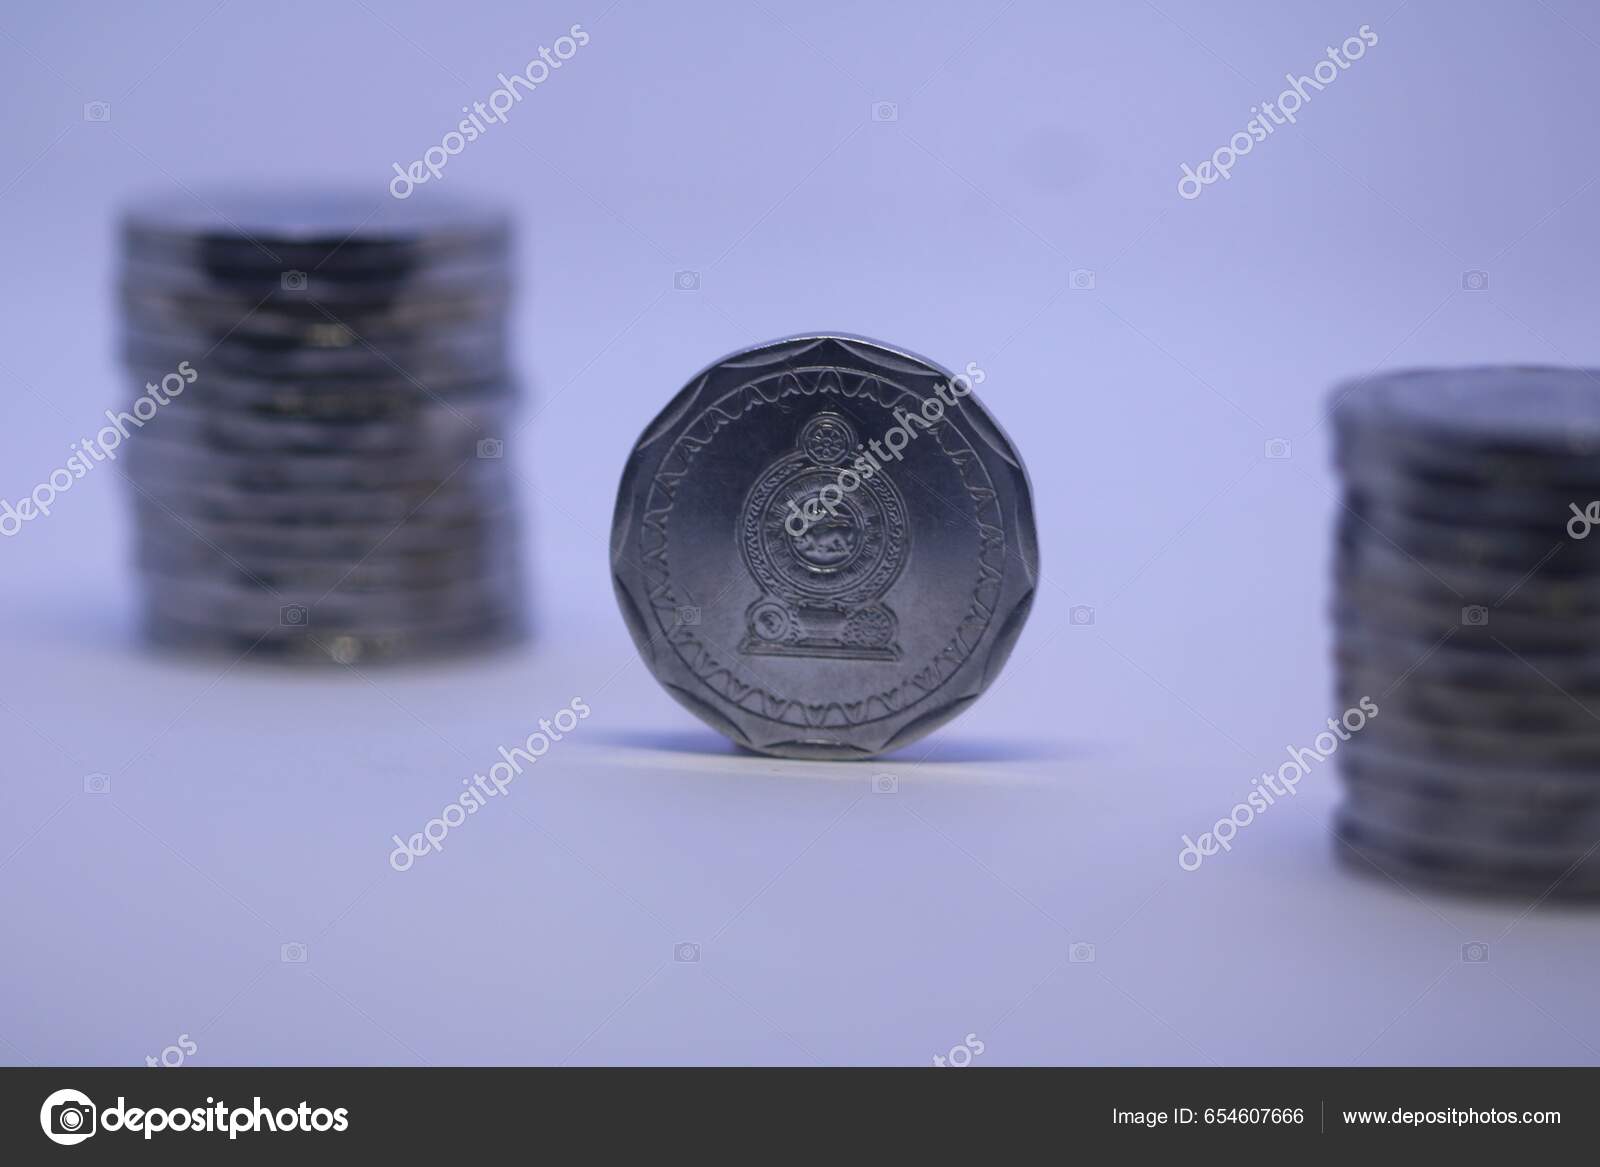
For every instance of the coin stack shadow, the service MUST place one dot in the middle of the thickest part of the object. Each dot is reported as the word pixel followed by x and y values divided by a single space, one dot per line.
pixel 1467 610
pixel 314 429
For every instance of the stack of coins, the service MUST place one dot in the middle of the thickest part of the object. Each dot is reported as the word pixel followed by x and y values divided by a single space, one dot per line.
pixel 1468 611
pixel 314 429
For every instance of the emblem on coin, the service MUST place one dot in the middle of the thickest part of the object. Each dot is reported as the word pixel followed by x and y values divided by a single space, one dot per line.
pixel 823 565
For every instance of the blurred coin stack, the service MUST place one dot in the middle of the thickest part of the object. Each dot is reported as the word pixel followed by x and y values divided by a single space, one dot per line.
pixel 1468 610
pixel 319 392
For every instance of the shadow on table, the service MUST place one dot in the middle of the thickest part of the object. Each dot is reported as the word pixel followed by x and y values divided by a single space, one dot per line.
pixel 938 750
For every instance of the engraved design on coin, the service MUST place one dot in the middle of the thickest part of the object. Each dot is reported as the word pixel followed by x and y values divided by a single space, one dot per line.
pixel 775 624
pixel 837 568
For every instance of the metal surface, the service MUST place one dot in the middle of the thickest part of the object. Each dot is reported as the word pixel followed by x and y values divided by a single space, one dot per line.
pixel 1465 603
pixel 327 484
pixel 808 632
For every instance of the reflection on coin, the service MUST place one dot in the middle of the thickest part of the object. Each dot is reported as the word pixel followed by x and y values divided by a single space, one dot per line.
pixel 824 547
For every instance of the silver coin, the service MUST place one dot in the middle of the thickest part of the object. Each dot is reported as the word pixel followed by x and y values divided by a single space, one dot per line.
pixel 1511 630
pixel 1531 590
pixel 334 400
pixel 1513 709
pixel 325 540
pixel 368 646
pixel 153 457
pixel 233 605
pixel 1449 661
pixel 1508 555
pixel 375 573
pixel 1543 414
pixel 1396 857
pixel 1400 727
pixel 1518 786
pixel 439 431
pixel 321 231
pixel 1561 830
pixel 287 403
pixel 313 323
pixel 1449 834
pixel 1477 502
pixel 448 500
pixel 277 288
pixel 824 631
pixel 436 358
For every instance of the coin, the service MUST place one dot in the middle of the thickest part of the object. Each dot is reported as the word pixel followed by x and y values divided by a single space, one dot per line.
pixel 1514 708
pixel 435 359
pixel 1397 857
pixel 368 646
pixel 1384 564
pixel 445 501
pixel 248 605
pixel 335 399
pixel 1467 597
pixel 378 572
pixel 327 540
pixel 317 231
pixel 1545 508
pixel 1530 824
pixel 315 323
pixel 152 457
pixel 1550 416
pixel 443 429
pixel 274 287
pixel 326 482
pixel 824 547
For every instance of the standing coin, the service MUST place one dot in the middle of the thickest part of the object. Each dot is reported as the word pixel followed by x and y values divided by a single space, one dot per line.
pixel 824 547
